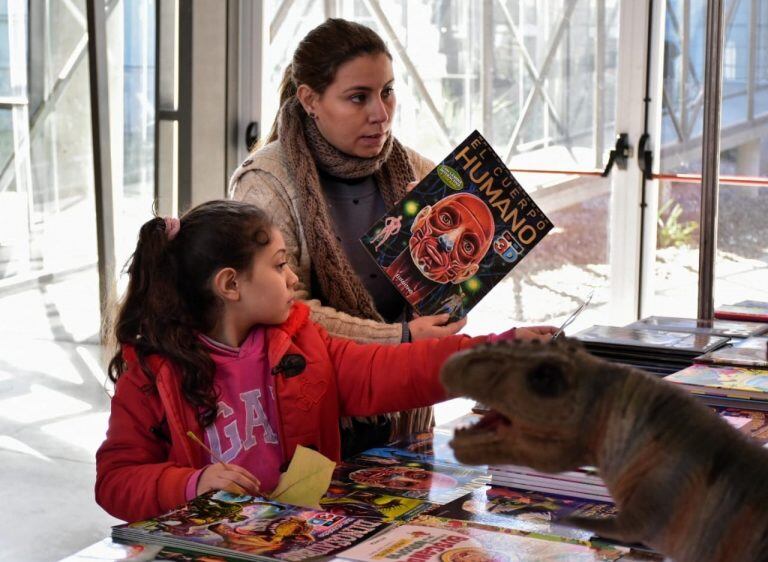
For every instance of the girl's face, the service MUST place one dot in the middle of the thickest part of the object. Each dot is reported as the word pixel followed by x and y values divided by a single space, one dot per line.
pixel 354 113
pixel 266 289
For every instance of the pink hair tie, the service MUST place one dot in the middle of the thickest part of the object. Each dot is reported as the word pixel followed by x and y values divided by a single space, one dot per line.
pixel 172 226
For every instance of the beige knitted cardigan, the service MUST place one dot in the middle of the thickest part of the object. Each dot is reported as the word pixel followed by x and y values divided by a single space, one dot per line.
pixel 263 180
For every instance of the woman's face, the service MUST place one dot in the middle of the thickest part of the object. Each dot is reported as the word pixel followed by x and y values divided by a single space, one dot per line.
pixel 354 113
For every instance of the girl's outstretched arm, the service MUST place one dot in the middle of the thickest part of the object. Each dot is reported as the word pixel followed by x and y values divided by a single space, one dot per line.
pixel 374 379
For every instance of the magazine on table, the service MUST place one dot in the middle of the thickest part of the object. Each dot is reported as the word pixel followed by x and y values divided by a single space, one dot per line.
pixel 250 528
pixel 526 511
pixel 434 539
pixel 670 342
pixel 725 328
pixel 432 482
pixel 354 501
pixel 458 233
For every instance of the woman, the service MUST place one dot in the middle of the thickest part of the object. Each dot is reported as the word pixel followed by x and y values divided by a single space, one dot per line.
pixel 331 167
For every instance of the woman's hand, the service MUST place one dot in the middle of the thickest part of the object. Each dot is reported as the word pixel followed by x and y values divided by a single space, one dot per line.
pixel 229 477
pixel 425 327
pixel 410 186
pixel 537 333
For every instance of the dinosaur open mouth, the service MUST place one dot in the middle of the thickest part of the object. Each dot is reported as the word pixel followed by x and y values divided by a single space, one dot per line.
pixel 490 422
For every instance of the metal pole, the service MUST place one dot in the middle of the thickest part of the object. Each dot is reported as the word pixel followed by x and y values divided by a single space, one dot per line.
pixel 599 85
pixel 486 68
pixel 102 162
pixel 685 34
pixel 754 17
pixel 710 156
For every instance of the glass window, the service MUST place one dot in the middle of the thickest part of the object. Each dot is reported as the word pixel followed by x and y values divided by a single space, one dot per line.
pixel 543 95
pixel 48 274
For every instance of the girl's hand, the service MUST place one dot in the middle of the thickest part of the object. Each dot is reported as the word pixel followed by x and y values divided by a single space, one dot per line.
pixel 538 333
pixel 410 186
pixel 229 477
pixel 425 327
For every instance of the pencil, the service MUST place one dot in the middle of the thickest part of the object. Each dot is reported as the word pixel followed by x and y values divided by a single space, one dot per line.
pixel 214 456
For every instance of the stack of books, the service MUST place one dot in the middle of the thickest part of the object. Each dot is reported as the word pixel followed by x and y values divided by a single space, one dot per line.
pixel 725 386
pixel 753 311
pixel 749 352
pixel 584 483
pixel 735 375
pixel 660 352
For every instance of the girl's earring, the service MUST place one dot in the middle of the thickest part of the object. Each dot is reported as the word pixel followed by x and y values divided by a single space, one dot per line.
pixel 313 115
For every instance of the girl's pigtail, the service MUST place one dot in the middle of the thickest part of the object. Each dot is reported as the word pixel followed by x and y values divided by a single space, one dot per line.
pixel 152 304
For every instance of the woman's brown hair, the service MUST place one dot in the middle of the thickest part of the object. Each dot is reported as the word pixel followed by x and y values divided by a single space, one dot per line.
pixel 169 299
pixel 321 53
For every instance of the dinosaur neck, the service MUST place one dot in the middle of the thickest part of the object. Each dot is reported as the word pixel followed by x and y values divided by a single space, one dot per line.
pixel 628 422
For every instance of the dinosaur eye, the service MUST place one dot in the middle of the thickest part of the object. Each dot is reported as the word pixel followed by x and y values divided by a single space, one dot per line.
pixel 547 380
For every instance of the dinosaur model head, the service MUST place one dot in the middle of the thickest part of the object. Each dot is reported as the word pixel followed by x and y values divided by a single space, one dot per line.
pixel 543 409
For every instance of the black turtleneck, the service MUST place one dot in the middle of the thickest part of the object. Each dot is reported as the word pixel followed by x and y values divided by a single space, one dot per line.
pixel 354 205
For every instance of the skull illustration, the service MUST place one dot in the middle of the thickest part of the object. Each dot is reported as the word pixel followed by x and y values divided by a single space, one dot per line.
pixel 449 239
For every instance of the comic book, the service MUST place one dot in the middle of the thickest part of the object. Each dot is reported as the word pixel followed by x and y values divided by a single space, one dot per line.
pixel 435 483
pixel 530 512
pixel 458 232
pixel 354 501
pixel 428 446
pixel 753 423
pixel 723 380
pixel 432 539
pixel 436 450
pixel 249 528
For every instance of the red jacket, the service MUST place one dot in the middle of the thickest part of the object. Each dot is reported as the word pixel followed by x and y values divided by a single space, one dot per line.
pixel 143 465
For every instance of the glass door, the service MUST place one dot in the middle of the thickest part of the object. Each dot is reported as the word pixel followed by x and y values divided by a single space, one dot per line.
pixel 741 263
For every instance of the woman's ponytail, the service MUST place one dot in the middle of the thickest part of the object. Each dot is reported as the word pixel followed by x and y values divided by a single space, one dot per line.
pixel 320 54
pixel 287 91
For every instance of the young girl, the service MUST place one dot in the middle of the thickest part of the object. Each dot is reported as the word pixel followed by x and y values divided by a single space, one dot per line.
pixel 212 341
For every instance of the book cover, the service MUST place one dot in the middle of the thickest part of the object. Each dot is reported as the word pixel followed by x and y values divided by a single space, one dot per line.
pixel 724 328
pixel 435 483
pixel 530 512
pixel 753 423
pixel 345 499
pixel 250 528
pixel 654 339
pixel 750 310
pixel 458 232
pixel 442 540
pixel 427 446
pixel 751 352
pixel 723 380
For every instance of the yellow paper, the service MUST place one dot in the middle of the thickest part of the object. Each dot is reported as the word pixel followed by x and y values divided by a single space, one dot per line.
pixel 306 480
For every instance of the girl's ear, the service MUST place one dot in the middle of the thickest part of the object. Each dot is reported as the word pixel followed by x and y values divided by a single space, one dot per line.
pixel 307 98
pixel 225 284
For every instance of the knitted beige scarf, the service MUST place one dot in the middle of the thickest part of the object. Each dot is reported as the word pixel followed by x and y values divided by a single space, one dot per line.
pixel 305 150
